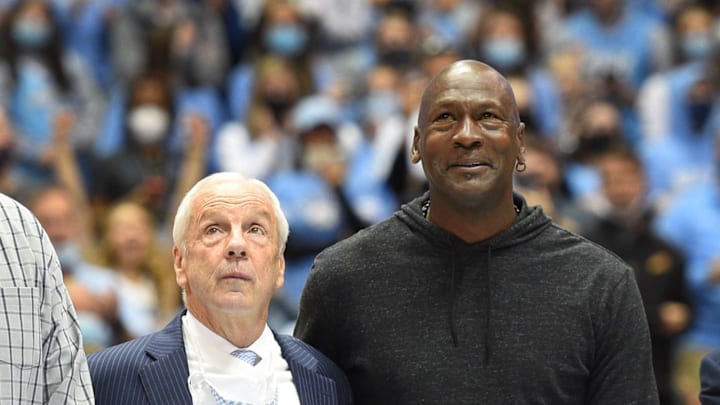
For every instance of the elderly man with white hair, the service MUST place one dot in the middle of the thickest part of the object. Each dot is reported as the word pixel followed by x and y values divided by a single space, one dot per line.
pixel 229 238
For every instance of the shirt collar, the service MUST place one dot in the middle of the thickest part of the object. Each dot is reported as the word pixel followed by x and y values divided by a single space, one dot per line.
pixel 216 348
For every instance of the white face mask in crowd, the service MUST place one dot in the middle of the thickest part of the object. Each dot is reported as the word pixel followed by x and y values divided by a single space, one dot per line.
pixel 148 123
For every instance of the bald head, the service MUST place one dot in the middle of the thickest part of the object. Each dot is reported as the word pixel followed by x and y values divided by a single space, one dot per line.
pixel 461 75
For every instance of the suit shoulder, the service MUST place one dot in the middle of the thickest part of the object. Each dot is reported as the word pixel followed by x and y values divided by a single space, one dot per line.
pixel 302 352
pixel 123 356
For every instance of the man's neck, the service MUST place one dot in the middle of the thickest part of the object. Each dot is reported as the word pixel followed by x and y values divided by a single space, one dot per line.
pixel 241 331
pixel 472 224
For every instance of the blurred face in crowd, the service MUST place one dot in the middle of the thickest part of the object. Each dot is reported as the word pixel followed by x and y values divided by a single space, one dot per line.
pixel 56 212
pixel 285 33
pixel 503 41
pixel 148 117
pixel 543 171
pixel 694 32
pixel 469 135
pixel 599 127
pixel 229 260
pixel 278 87
pixel 32 28
pixel 129 235
pixel 396 40
pixel 623 181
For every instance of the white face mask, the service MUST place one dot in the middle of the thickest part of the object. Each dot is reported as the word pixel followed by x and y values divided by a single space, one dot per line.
pixel 148 123
pixel 204 389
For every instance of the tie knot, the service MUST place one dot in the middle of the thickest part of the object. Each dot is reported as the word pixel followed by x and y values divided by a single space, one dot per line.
pixel 248 356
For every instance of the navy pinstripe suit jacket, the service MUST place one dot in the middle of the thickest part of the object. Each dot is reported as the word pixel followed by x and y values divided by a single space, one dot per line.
pixel 153 370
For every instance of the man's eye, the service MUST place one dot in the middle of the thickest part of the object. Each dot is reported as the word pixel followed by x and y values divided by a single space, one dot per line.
pixel 487 115
pixel 257 229
pixel 443 117
pixel 212 229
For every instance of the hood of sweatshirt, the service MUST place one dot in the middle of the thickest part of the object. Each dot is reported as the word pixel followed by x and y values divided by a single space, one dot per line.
pixel 530 222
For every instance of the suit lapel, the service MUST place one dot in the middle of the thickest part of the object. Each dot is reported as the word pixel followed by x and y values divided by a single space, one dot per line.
pixel 165 378
pixel 312 387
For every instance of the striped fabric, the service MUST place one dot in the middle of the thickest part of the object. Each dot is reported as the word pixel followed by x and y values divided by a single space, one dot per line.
pixel 41 355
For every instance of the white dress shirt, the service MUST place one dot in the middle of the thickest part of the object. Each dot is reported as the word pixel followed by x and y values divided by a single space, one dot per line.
pixel 212 367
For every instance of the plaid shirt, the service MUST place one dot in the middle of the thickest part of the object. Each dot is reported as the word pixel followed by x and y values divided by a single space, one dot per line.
pixel 41 355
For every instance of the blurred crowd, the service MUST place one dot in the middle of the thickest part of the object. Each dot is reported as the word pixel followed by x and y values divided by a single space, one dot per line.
pixel 111 109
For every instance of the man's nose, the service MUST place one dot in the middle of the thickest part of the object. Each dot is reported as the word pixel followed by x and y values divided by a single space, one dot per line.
pixel 468 134
pixel 237 246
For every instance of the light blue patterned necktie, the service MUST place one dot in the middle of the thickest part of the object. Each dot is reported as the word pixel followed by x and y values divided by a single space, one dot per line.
pixel 248 356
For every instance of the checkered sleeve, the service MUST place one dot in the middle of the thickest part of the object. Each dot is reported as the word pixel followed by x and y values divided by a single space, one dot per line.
pixel 41 356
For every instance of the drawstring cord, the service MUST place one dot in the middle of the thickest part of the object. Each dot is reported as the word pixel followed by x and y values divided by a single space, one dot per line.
pixel 488 309
pixel 453 295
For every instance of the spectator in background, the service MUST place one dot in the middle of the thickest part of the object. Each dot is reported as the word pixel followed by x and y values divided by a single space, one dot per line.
pixel 695 39
pixel 693 26
pixel 146 296
pixel 329 194
pixel 85 28
pixel 199 53
pixel 282 37
pixel 594 125
pixel 92 288
pixel 626 229
pixel 145 169
pixel 257 142
pixel 42 84
pixel 621 48
pixel 397 39
pixel 450 20
pixel 691 224
pixel 543 183
pixel 41 346
pixel 681 115
pixel 181 42
pixel 341 50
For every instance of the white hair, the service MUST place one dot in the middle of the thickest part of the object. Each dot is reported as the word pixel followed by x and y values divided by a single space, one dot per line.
pixel 182 216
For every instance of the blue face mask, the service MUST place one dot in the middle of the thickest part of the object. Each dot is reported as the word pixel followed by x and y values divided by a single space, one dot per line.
pixel 504 52
pixel 699 113
pixel 285 39
pixel 381 104
pixel 31 34
pixel 695 46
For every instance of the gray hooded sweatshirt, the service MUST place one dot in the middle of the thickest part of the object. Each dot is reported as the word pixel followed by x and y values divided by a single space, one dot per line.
pixel 535 315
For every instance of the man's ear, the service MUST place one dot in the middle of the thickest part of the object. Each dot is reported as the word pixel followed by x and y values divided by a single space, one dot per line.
pixel 178 265
pixel 281 272
pixel 521 135
pixel 414 151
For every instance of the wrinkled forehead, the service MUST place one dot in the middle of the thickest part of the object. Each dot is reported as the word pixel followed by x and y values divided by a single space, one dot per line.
pixel 226 194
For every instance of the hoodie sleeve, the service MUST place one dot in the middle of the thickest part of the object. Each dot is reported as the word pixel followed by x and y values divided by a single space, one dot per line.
pixel 622 372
